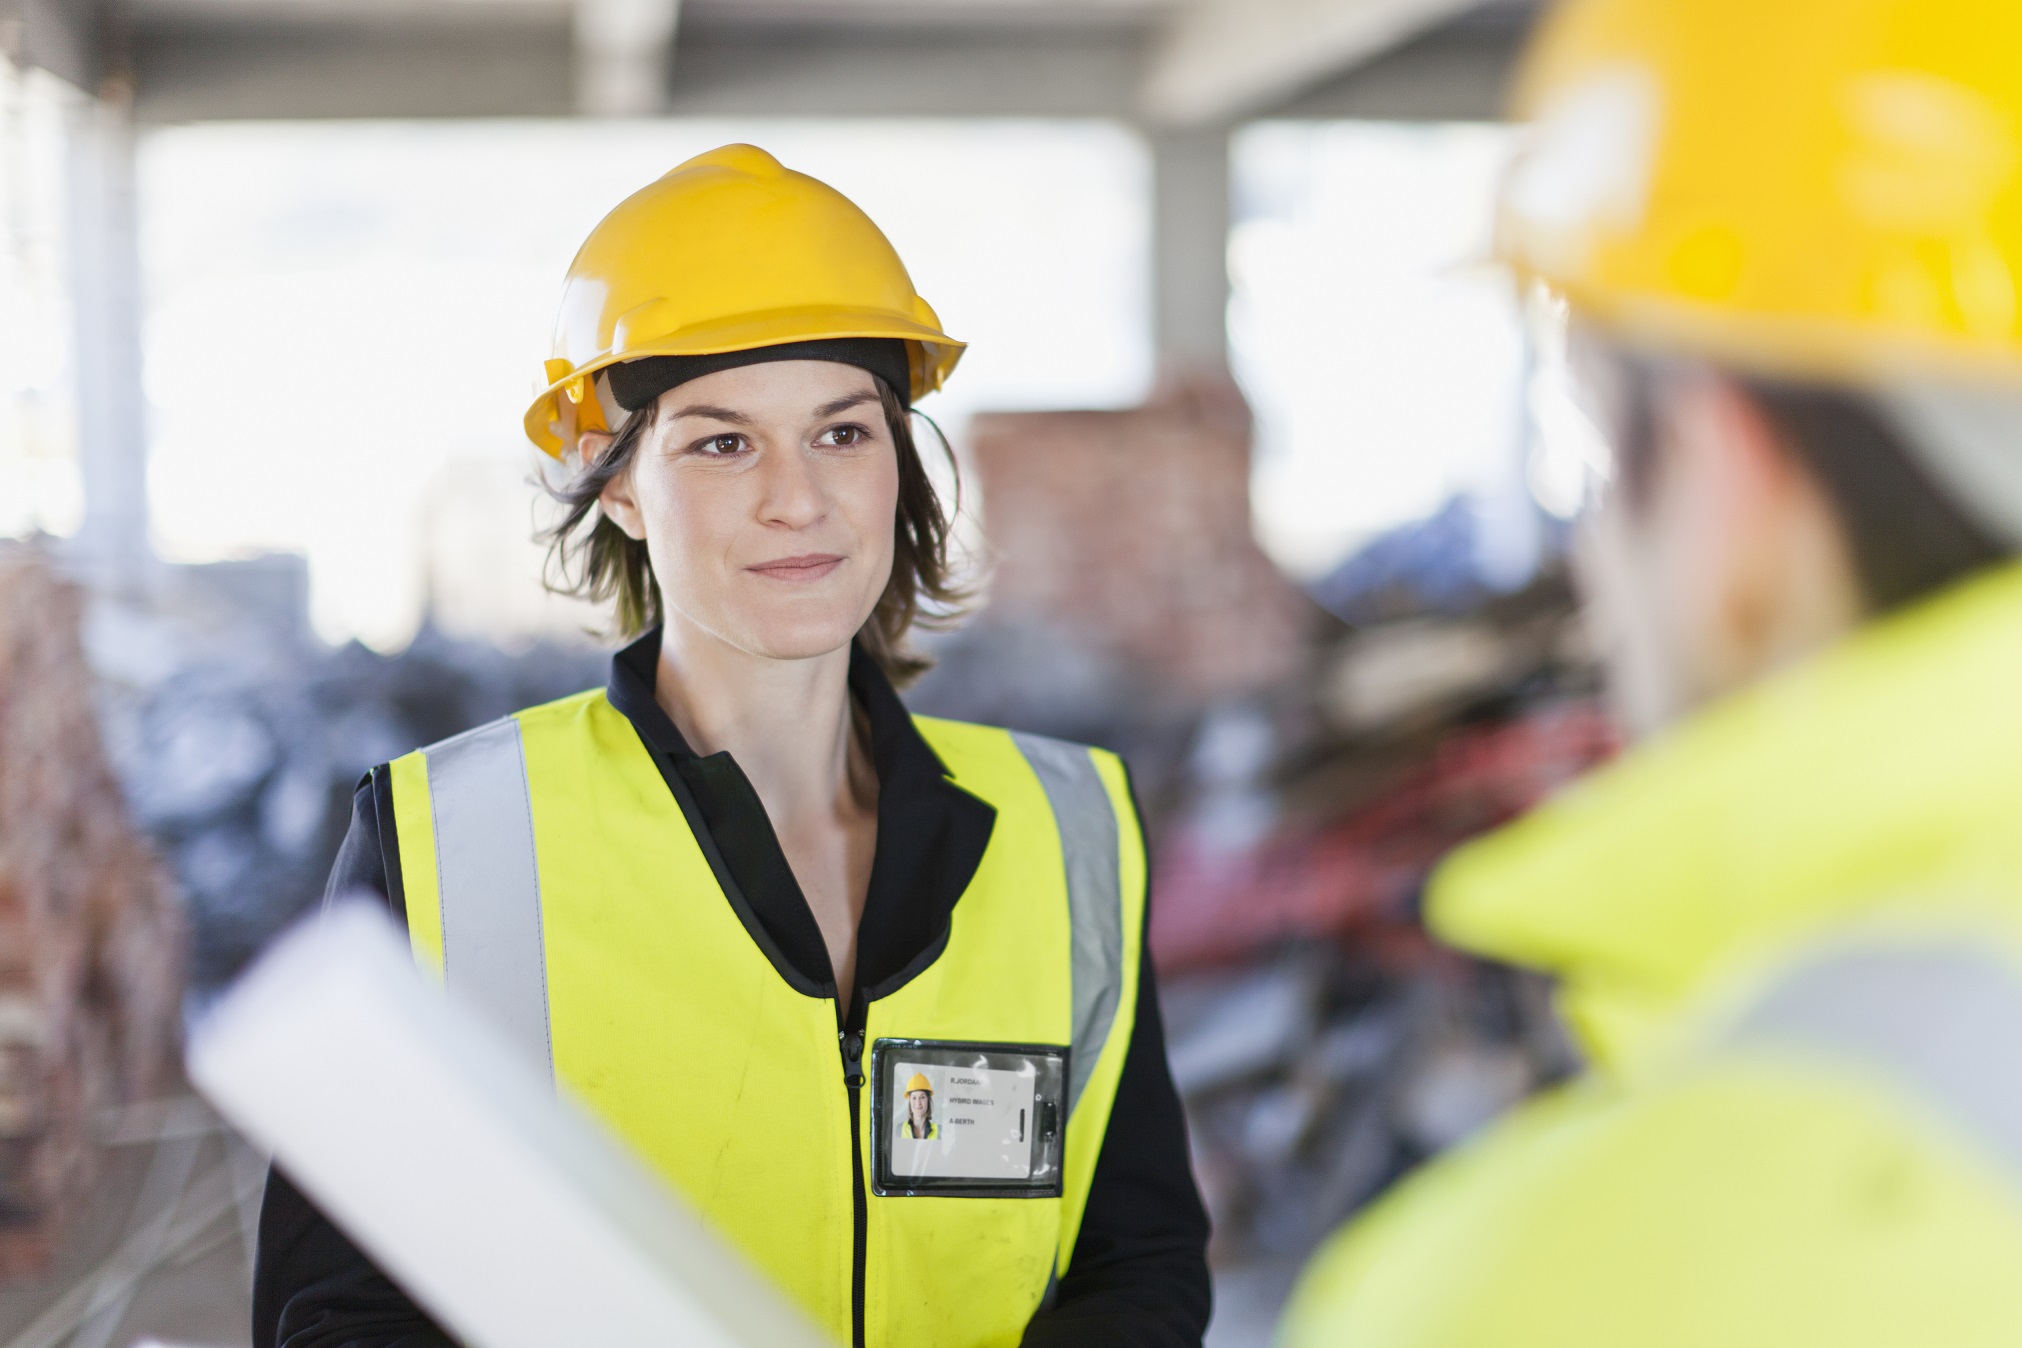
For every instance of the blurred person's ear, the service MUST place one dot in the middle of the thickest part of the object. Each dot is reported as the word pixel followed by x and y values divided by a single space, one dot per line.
pixel 1733 567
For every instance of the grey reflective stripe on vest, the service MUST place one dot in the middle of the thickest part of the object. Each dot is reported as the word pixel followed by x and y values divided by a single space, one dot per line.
pixel 1088 843
pixel 487 883
pixel 1943 1022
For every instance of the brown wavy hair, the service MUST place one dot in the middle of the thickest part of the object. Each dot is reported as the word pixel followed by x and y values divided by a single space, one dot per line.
pixel 590 557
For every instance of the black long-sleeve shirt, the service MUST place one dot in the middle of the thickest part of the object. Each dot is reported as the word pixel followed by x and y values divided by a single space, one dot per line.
pixel 1138 1278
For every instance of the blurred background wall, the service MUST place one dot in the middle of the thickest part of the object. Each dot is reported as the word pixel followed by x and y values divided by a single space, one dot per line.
pixel 1243 480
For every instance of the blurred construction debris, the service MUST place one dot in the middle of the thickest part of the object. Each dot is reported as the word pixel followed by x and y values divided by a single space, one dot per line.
pixel 1336 843
pixel 124 1206
pixel 240 737
pixel 1324 1044
pixel 1126 591
pixel 1322 1041
pixel 1443 564
pixel 1315 1078
pixel 1130 532
pixel 91 937
pixel 233 739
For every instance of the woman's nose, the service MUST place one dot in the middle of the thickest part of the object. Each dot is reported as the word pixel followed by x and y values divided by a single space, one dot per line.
pixel 793 491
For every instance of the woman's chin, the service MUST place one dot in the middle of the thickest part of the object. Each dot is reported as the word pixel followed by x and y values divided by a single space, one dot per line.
pixel 774 632
pixel 801 640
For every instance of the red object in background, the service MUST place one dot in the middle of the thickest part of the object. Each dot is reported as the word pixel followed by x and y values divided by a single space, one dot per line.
pixel 1356 877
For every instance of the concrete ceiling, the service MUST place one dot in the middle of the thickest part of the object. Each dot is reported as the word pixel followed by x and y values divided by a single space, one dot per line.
pixel 789 15
pixel 936 13
pixel 1174 64
pixel 1218 59
pixel 914 14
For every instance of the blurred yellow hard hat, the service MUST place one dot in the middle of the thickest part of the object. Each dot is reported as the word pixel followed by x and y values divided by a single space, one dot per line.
pixel 731 251
pixel 1829 188
pixel 919 1082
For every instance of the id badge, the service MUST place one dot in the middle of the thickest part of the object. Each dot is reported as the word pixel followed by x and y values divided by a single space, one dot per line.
pixel 959 1120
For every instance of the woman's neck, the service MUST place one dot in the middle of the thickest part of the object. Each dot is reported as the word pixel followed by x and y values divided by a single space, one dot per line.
pixel 786 722
pixel 791 728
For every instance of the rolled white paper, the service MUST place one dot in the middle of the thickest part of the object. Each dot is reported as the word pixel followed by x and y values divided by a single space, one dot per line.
pixel 505 1210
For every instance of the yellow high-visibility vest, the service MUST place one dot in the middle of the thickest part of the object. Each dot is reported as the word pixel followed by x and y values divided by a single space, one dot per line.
pixel 1788 934
pixel 551 877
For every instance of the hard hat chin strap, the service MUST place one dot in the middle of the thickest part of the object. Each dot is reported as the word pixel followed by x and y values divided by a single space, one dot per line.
pixel 1970 441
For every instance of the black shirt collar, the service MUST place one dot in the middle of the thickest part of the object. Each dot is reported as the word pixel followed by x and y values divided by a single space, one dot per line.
pixel 896 745
pixel 931 834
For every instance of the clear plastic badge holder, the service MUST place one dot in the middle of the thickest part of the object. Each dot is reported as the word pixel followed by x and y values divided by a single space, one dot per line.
pixel 967 1120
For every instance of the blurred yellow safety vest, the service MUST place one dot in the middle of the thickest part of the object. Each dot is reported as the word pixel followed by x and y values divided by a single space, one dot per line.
pixel 1789 935
pixel 551 877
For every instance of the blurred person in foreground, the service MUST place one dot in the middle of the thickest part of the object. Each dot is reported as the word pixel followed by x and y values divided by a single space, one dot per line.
pixel 1776 253
pixel 739 900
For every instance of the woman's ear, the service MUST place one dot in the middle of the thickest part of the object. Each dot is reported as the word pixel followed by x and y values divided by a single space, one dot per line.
pixel 616 499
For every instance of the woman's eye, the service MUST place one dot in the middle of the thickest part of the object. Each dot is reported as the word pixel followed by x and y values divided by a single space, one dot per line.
pixel 846 435
pixel 721 444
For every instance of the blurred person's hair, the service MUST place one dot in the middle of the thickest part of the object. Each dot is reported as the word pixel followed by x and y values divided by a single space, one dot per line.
pixel 1904 535
pixel 590 557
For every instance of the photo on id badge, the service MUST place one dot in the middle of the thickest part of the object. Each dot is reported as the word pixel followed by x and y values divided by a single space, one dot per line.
pixel 955 1119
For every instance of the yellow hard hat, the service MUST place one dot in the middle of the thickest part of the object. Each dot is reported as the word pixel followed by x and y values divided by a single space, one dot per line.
pixel 919 1082
pixel 731 251
pixel 1818 187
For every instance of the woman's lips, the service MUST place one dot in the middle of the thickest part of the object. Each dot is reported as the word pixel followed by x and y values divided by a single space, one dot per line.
pixel 813 566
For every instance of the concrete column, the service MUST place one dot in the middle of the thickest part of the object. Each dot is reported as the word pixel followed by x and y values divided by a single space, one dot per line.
pixel 104 269
pixel 623 51
pixel 1190 243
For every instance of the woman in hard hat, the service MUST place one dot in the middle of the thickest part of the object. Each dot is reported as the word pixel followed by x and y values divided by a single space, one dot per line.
pixel 919 1120
pixel 717 898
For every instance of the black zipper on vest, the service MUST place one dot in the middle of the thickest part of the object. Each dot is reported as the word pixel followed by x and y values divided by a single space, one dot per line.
pixel 853 1079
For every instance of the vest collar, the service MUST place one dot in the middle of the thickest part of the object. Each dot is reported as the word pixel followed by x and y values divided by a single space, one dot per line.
pixel 1883 771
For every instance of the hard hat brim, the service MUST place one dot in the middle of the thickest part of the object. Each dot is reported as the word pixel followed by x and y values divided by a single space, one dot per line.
pixel 934 353
pixel 1784 346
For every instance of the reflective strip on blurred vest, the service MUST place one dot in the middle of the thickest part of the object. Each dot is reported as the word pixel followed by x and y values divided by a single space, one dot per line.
pixel 551 876
pixel 1941 1023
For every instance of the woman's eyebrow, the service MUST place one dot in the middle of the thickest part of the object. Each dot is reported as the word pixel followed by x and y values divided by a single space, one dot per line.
pixel 845 403
pixel 714 413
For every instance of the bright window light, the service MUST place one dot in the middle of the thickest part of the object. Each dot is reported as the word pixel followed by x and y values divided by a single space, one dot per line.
pixel 344 321
pixel 40 487
pixel 1381 349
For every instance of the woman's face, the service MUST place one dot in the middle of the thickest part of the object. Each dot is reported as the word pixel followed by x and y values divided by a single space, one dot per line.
pixel 917 1102
pixel 766 496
